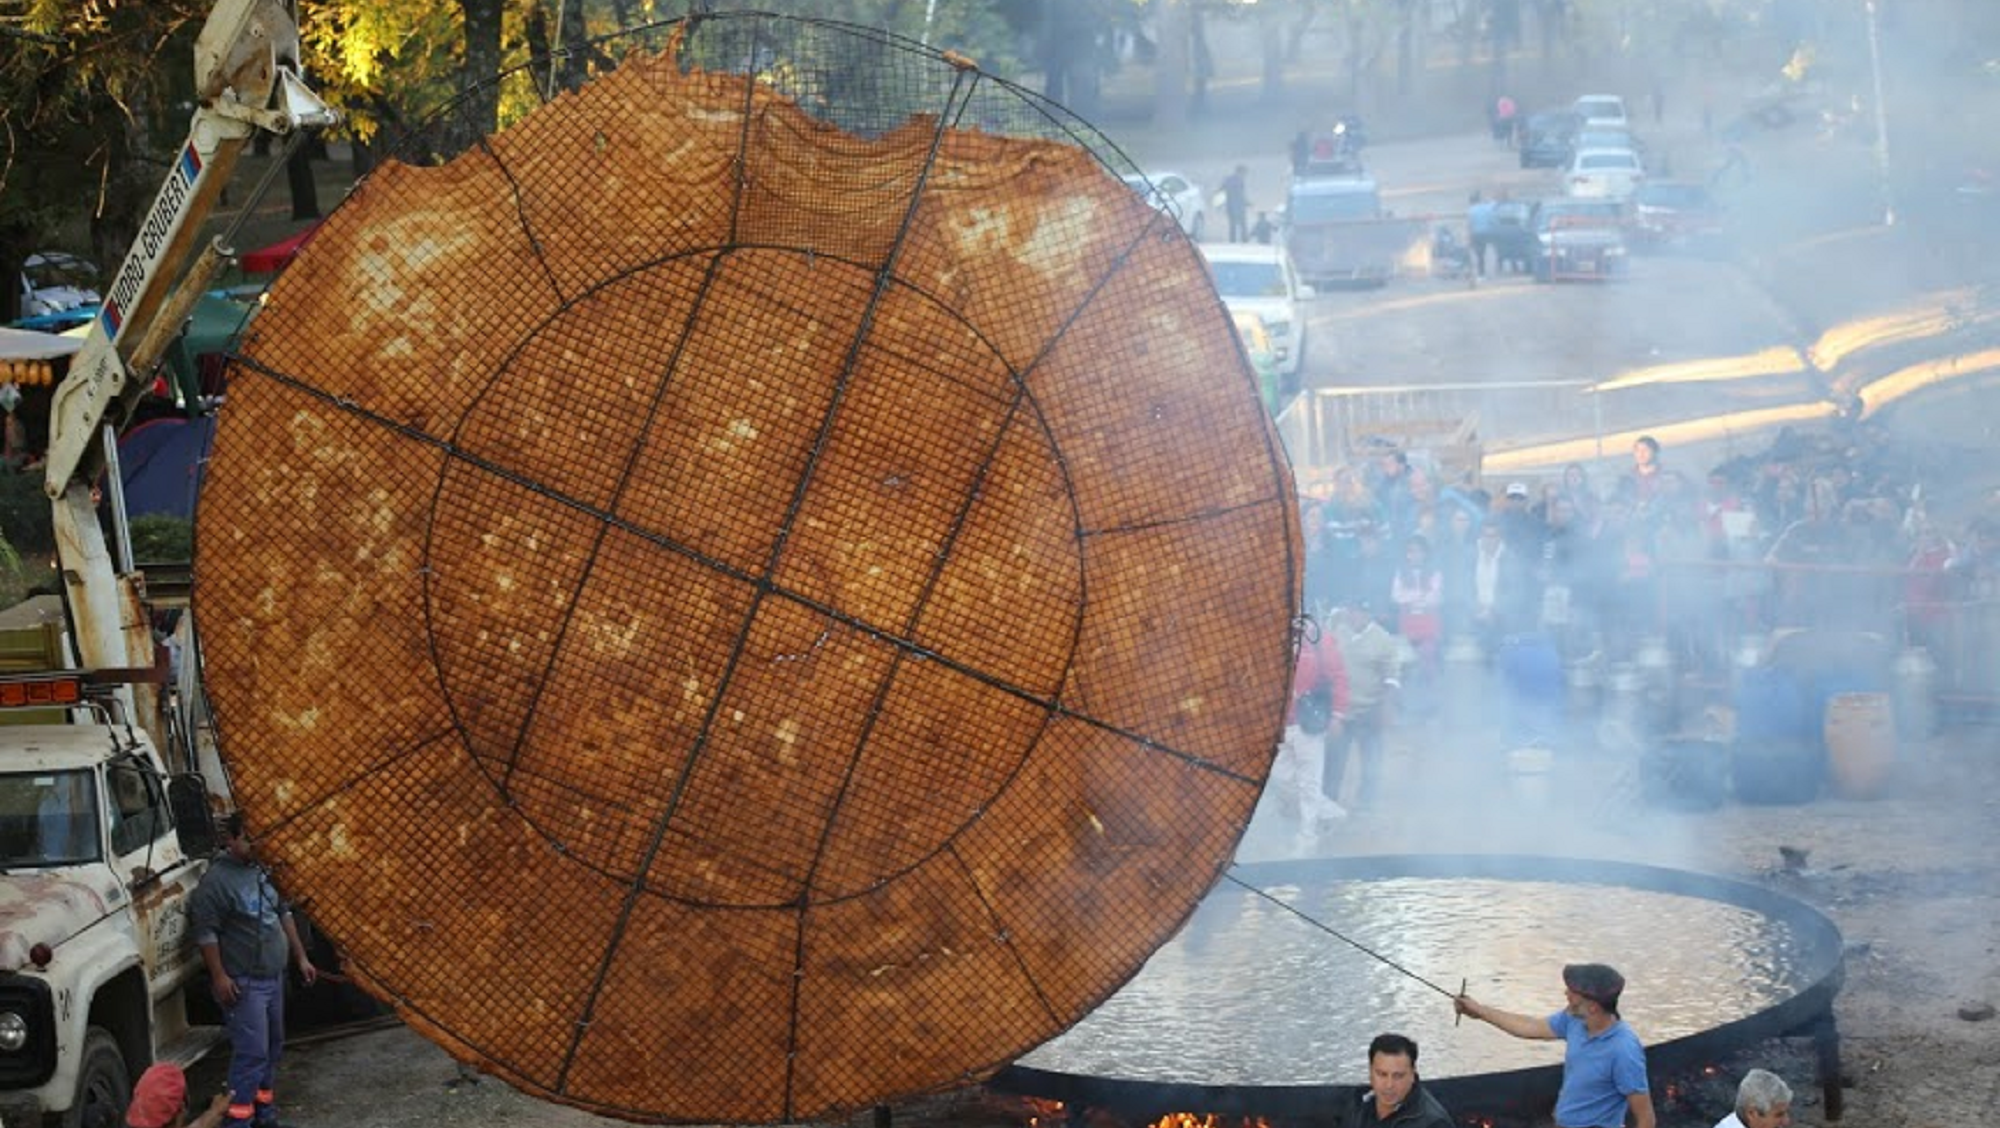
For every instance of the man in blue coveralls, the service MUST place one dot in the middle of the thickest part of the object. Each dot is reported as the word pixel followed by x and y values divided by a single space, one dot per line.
pixel 245 932
pixel 1604 1066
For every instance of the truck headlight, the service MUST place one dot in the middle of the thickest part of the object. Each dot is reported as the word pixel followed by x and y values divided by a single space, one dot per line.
pixel 13 1032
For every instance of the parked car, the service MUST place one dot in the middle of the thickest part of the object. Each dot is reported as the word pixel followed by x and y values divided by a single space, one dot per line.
pixel 1548 139
pixel 1259 278
pixel 1177 196
pixel 1606 138
pixel 1603 173
pixel 56 281
pixel 1669 214
pixel 1578 238
pixel 1601 111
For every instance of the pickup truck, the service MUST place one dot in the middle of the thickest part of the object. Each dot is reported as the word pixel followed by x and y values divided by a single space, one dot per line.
pixel 1578 238
pixel 1336 231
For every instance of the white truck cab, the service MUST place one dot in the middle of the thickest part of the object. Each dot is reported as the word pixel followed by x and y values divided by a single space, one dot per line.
pixel 95 873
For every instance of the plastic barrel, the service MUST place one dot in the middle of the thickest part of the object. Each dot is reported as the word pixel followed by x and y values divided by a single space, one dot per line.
pixel 1860 743
pixel 1776 758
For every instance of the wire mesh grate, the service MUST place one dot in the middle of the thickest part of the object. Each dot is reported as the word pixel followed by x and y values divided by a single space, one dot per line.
pixel 764 587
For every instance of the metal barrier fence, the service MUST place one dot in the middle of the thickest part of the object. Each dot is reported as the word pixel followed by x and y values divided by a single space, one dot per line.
pixel 1328 427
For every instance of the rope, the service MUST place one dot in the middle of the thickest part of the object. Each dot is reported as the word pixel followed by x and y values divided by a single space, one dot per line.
pixel 1349 941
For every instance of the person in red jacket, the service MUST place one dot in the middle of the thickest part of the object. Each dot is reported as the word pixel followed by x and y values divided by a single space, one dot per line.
pixel 1319 705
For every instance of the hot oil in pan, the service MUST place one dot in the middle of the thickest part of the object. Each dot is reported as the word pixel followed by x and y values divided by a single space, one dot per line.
pixel 1248 994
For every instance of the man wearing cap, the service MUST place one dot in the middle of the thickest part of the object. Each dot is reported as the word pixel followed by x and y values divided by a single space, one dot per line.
pixel 1519 523
pixel 159 1100
pixel 1604 1066
pixel 244 931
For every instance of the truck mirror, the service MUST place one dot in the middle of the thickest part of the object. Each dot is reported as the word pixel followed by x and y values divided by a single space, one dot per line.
pixel 194 822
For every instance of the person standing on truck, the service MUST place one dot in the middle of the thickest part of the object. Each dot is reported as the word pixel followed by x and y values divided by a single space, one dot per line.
pixel 1236 203
pixel 245 931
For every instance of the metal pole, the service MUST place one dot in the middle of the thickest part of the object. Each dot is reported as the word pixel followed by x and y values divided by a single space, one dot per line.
pixel 114 488
pixel 1881 117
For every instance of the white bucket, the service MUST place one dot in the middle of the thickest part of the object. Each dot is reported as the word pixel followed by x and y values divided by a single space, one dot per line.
pixel 1529 775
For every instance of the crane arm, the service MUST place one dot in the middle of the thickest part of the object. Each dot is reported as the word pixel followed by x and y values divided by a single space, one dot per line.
pixel 246 78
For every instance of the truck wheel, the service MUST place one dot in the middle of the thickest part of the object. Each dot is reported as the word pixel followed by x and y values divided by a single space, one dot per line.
pixel 102 1081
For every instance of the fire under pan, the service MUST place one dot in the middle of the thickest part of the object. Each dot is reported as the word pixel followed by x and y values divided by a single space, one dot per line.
pixel 1251 1011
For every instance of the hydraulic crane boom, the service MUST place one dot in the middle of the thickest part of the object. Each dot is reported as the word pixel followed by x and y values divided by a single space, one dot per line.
pixel 246 78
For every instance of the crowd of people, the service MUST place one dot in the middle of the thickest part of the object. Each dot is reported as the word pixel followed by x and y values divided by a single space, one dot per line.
pixel 1821 531
pixel 1817 532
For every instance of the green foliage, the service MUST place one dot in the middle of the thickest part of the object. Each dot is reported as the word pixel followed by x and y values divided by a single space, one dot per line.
pixel 25 523
pixel 159 538
pixel 15 583
pixel 80 83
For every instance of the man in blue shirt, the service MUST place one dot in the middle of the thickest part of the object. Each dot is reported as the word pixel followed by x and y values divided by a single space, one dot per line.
pixel 1480 220
pixel 1604 1066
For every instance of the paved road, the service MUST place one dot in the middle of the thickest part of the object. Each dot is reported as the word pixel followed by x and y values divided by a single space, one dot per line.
pixel 1811 294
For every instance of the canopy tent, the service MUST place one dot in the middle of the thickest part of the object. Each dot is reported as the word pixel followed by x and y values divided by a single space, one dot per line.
pixel 271 259
pixel 211 331
pixel 30 359
pixel 160 463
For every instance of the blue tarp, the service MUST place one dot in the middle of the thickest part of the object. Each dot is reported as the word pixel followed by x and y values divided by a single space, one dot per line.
pixel 160 462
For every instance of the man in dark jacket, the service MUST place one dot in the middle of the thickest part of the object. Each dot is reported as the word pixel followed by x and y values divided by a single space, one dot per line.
pixel 1394 1094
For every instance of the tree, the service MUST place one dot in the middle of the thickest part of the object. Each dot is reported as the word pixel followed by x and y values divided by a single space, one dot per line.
pixel 84 97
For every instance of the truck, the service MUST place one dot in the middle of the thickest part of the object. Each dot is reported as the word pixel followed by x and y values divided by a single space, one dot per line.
pixel 1578 239
pixel 1337 232
pixel 106 804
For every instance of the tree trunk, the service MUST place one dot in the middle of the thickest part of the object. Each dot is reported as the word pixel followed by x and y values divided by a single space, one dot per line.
pixel 575 66
pixel 1170 94
pixel 481 114
pixel 299 178
pixel 16 244
pixel 1406 46
pixel 1271 37
pixel 1202 61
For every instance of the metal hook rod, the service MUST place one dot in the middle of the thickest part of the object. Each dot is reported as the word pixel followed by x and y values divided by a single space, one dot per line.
pixel 1330 931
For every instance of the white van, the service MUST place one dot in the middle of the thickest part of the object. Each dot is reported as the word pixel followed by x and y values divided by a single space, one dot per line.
pixel 1601 111
pixel 1259 278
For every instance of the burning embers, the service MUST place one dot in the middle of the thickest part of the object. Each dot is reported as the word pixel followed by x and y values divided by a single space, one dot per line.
pixel 1041 1113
